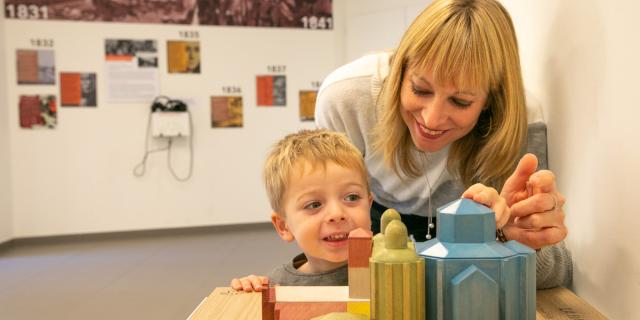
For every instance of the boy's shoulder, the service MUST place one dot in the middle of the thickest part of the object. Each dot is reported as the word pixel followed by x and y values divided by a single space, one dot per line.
pixel 289 275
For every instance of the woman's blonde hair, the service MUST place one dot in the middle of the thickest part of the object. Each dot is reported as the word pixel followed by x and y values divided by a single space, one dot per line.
pixel 471 44
pixel 315 147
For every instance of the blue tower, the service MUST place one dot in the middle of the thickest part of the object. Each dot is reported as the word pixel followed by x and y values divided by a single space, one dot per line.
pixel 469 275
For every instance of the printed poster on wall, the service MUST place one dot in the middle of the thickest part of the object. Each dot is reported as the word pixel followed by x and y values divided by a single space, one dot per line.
pixel 183 56
pixel 308 104
pixel 38 111
pixel 131 70
pixel 307 14
pixel 35 66
pixel 271 91
pixel 77 89
pixel 226 111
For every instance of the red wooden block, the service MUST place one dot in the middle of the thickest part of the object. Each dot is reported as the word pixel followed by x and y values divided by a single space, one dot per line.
pixel 307 310
pixel 268 301
pixel 359 248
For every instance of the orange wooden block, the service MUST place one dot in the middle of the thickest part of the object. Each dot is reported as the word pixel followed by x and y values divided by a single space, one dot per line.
pixel 268 301
pixel 359 248
pixel 307 310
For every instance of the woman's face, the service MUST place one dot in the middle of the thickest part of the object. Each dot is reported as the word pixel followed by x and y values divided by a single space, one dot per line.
pixel 437 114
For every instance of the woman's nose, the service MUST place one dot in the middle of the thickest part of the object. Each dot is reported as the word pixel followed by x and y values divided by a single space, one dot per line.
pixel 434 113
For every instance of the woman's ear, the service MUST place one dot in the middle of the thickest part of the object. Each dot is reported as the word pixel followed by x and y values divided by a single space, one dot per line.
pixel 281 227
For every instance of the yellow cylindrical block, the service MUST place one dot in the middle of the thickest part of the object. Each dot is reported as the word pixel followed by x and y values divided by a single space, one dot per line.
pixel 397 277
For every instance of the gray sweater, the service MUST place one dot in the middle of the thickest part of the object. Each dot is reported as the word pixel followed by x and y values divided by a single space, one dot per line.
pixel 288 275
pixel 347 102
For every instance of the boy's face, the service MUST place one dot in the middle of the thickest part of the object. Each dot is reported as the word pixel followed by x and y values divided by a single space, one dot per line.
pixel 321 206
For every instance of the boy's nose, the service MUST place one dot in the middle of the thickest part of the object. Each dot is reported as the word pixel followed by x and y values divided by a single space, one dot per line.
pixel 335 213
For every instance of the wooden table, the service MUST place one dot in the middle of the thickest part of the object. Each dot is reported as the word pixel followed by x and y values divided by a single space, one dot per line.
pixel 225 303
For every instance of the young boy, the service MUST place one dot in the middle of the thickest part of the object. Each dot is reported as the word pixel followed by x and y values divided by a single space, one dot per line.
pixel 318 188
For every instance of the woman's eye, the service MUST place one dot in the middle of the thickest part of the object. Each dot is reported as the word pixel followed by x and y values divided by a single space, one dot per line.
pixel 460 102
pixel 312 205
pixel 420 92
pixel 352 197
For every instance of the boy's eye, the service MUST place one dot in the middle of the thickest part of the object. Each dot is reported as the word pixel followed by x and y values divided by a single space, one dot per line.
pixel 312 205
pixel 460 102
pixel 352 197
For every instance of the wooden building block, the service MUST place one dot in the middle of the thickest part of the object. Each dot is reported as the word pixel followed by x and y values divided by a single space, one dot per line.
pixel 359 283
pixel 397 277
pixel 298 302
pixel 313 294
pixel 359 307
pixel 268 301
pixel 359 252
pixel 378 240
pixel 359 248
pixel 307 310
pixel 342 316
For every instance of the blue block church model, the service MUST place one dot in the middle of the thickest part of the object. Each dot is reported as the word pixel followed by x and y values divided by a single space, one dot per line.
pixel 470 275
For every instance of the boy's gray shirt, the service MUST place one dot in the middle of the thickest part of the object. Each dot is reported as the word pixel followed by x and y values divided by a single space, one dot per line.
pixel 288 275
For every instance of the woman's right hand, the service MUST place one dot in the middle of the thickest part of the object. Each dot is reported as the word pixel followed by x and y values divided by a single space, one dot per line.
pixel 537 214
pixel 250 283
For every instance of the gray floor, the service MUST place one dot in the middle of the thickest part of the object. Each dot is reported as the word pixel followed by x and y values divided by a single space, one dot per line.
pixel 131 277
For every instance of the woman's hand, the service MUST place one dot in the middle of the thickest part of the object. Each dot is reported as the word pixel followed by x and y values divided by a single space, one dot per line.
pixel 489 197
pixel 250 283
pixel 537 217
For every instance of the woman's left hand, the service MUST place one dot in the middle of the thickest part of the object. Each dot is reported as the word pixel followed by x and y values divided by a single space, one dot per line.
pixel 489 197
pixel 537 217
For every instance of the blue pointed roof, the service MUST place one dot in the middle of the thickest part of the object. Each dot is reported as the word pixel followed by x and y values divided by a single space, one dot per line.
pixel 466 221
pixel 464 206
pixel 467 229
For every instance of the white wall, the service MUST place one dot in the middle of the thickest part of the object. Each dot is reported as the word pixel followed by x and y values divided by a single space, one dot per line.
pixel 78 178
pixel 374 25
pixel 6 224
pixel 580 57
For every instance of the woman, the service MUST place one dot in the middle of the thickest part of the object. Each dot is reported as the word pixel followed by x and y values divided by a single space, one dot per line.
pixel 444 111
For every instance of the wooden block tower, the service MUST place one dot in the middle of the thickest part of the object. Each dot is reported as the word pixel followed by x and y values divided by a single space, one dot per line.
pixel 397 276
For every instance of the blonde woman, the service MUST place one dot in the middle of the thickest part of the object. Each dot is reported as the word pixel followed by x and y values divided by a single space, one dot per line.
pixel 444 113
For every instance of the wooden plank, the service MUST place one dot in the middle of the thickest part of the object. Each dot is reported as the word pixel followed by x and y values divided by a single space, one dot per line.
pixel 226 303
pixel 561 304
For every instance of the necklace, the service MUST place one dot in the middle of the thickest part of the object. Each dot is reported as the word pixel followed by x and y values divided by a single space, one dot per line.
pixel 426 157
pixel 429 214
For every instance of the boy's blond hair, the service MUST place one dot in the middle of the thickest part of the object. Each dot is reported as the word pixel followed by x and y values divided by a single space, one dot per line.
pixel 316 147
pixel 473 44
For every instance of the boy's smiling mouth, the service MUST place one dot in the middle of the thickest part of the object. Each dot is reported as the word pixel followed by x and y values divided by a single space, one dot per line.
pixel 337 239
